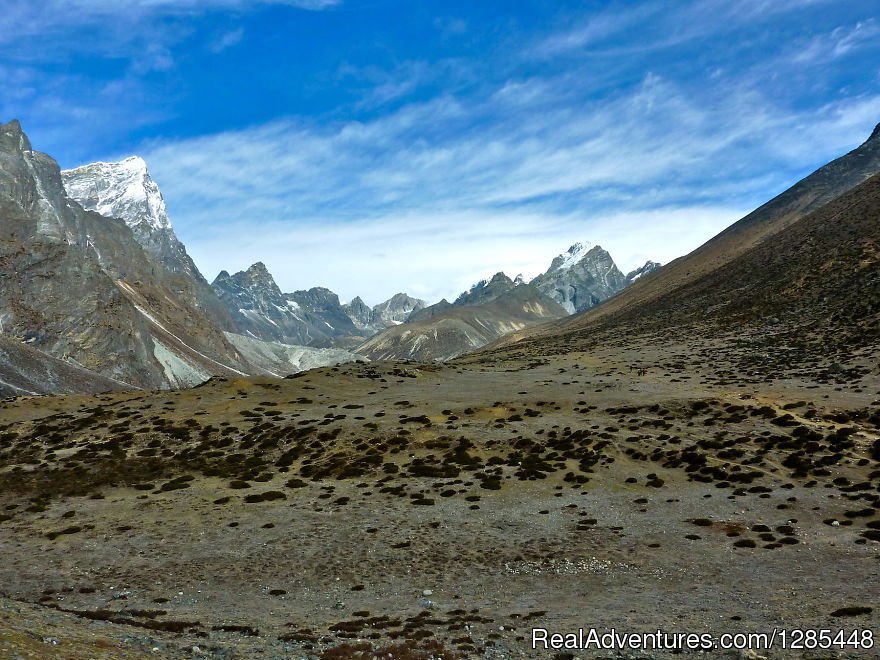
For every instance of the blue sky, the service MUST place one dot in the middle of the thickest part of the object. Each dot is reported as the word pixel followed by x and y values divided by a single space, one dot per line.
pixel 373 146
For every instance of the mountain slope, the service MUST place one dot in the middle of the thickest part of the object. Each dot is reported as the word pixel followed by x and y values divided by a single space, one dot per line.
pixel 277 359
pixel 79 287
pixel 26 371
pixel 809 194
pixel 801 269
pixel 462 328
pixel 125 190
pixel 581 278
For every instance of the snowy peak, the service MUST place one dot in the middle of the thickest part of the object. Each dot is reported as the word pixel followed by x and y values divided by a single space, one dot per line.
pixel 120 190
pixel 485 290
pixel 572 256
pixel 638 273
pixel 397 309
pixel 125 190
pixel 581 278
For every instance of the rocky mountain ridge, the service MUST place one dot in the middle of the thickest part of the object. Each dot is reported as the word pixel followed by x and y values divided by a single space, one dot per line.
pixel 79 287
pixel 127 303
pixel 450 330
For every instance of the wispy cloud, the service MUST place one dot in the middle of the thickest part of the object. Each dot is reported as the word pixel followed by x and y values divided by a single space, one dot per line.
pixel 522 165
pixel 839 42
pixel 226 40
pixel 34 17
pixel 644 126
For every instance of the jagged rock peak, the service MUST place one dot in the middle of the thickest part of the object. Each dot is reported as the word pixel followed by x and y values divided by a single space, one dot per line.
pixel 12 130
pixel 875 136
pixel 258 269
pixel 397 308
pixel 486 290
pixel 649 267
pixel 123 190
pixel 573 255
pixel 256 278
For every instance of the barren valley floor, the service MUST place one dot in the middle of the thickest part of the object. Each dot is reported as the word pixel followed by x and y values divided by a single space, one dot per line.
pixel 455 506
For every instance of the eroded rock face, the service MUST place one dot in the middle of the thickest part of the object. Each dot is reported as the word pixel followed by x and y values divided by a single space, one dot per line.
pixel 581 278
pixel 397 309
pixel 262 311
pixel 80 287
pixel 125 190
pixel 394 311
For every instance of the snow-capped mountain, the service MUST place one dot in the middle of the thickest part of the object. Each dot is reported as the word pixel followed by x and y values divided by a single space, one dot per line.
pixel 581 278
pixel 638 273
pixel 126 190
pixel 79 287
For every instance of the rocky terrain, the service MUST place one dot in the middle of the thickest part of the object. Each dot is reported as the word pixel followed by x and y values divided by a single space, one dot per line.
pixel 484 314
pixel 99 294
pixel 125 190
pixel 699 453
pixel 576 281
pixel 79 287
pixel 394 311
pixel 581 278
pixel 315 317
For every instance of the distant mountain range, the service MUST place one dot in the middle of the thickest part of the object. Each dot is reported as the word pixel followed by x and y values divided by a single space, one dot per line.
pixel 98 292
pixel 802 267
pixel 576 281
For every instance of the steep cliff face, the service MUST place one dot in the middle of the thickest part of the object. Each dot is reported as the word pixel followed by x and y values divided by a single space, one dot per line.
pixel 581 278
pixel 79 286
pixel 127 191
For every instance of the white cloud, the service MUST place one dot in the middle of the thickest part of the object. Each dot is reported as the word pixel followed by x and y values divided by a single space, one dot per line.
pixel 452 188
pixel 439 255
pixel 841 41
pixel 226 40
pixel 116 19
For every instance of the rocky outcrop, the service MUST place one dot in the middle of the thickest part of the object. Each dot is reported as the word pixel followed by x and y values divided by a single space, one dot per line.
pixel 79 286
pixel 458 329
pixel 261 310
pixel 394 311
pixel 581 278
